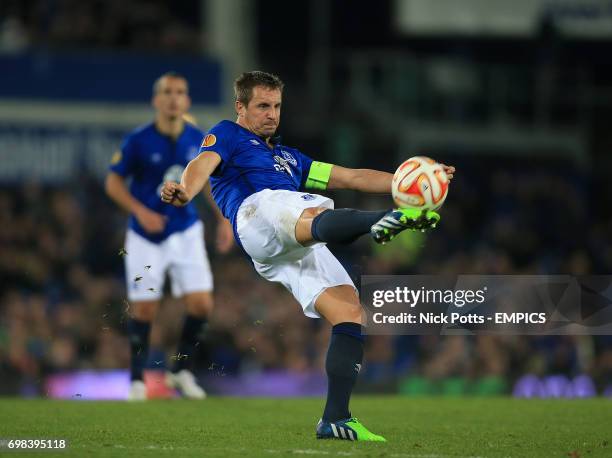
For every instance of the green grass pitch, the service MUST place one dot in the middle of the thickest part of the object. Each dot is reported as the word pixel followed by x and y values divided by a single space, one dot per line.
pixel 227 427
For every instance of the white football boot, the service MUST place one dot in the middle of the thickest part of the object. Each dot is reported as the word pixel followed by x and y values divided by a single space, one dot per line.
pixel 138 391
pixel 186 383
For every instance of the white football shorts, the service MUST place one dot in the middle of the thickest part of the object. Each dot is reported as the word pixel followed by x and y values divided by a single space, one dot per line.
pixel 182 255
pixel 266 227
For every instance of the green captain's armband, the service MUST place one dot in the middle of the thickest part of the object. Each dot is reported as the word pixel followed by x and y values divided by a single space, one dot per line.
pixel 319 174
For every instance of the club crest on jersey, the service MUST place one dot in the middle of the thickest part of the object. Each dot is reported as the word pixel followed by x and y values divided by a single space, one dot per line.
pixel 173 173
pixel 209 140
pixel 289 158
pixel 282 165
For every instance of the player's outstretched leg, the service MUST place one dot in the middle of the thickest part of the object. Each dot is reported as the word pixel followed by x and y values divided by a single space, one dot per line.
pixel 345 225
pixel 343 363
pixel 400 219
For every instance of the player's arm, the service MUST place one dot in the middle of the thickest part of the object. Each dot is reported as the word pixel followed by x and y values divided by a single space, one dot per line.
pixel 206 192
pixel 329 176
pixel 364 180
pixel 225 233
pixel 118 191
pixel 194 179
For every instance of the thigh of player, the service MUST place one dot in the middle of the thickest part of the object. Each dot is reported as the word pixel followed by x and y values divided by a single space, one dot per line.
pixel 311 278
pixel 189 268
pixel 303 227
pixel 340 304
pixel 267 223
pixel 145 267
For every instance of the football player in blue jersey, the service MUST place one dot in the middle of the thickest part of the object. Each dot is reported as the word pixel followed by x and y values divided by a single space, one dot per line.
pixel 163 239
pixel 260 185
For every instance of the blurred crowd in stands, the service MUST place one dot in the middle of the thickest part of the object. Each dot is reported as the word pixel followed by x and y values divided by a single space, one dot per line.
pixel 63 306
pixel 152 25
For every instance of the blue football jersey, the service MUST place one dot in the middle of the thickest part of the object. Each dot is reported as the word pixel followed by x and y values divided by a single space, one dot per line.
pixel 150 158
pixel 249 165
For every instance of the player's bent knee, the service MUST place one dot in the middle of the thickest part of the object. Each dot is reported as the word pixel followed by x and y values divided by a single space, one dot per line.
pixel 311 212
pixel 346 313
pixel 199 304
pixel 340 304
pixel 352 314
pixel 303 227
pixel 145 310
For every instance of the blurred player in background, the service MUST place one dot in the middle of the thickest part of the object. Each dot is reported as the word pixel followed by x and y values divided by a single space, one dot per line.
pixel 163 239
pixel 257 182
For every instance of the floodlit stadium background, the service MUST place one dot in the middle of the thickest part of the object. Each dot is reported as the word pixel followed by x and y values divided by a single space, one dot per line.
pixel 517 95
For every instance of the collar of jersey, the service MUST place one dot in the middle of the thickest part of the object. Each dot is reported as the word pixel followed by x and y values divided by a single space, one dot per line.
pixel 169 137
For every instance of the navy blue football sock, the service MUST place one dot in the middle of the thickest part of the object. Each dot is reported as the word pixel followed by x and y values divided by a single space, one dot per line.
pixel 344 225
pixel 343 364
pixel 138 332
pixel 192 328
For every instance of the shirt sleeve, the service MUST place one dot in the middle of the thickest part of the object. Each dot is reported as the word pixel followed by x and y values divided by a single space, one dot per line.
pixel 306 164
pixel 123 161
pixel 219 140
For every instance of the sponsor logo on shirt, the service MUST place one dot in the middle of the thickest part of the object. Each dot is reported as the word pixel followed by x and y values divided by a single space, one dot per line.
pixel 308 197
pixel 254 142
pixel 282 165
pixel 289 158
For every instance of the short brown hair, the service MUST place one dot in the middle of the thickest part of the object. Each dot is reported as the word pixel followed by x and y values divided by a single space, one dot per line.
pixel 244 84
pixel 171 74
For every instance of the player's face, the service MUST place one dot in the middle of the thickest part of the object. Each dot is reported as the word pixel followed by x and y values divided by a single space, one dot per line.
pixel 262 115
pixel 172 98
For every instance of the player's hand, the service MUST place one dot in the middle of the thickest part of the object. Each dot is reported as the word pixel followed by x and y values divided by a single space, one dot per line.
pixel 450 171
pixel 225 236
pixel 150 221
pixel 175 194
